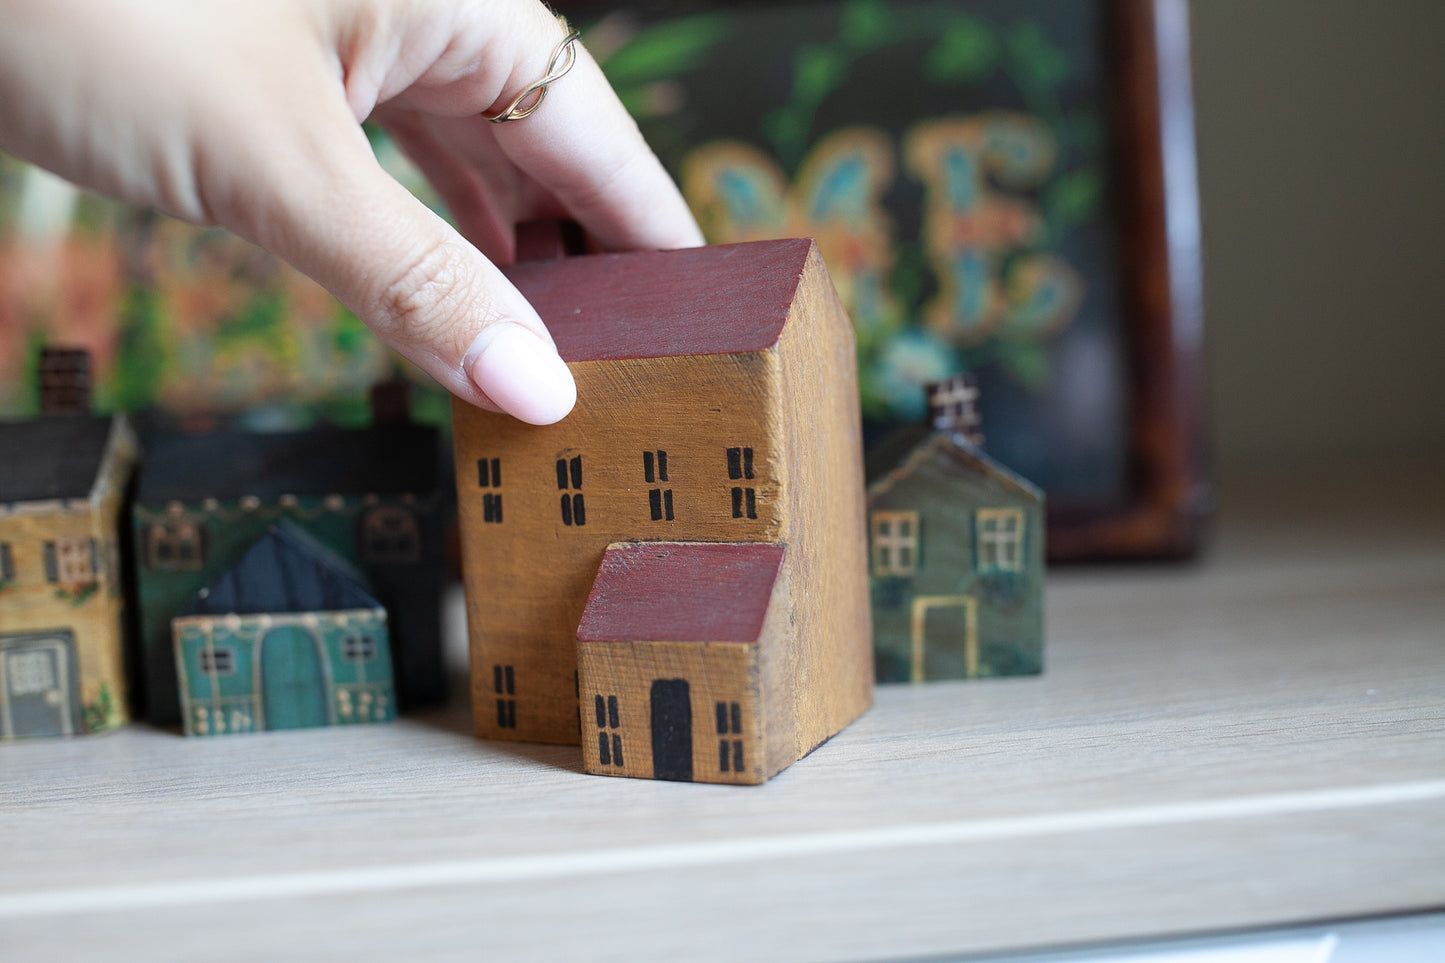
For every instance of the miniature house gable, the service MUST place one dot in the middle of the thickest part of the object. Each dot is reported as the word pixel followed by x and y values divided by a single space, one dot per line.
pixel 62 666
pixel 287 638
pixel 956 557
pixel 717 404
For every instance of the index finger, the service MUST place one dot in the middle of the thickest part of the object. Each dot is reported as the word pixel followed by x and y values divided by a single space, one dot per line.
pixel 583 147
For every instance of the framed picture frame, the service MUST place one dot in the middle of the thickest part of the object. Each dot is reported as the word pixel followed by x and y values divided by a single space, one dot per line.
pixel 1072 124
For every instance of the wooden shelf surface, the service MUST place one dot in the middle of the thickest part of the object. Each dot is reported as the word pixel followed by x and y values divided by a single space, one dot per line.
pixel 1255 739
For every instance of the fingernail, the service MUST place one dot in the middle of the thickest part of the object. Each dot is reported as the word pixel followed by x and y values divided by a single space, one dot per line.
pixel 522 374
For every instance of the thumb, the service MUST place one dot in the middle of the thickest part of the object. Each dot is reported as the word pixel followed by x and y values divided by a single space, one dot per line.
pixel 410 277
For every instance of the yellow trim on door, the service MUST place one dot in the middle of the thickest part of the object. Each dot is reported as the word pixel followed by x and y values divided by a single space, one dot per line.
pixel 921 605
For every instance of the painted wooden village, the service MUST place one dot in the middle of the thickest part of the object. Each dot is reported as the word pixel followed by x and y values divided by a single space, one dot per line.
pixel 690 575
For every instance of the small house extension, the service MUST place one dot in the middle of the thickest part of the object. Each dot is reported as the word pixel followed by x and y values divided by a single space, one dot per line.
pixel 717 429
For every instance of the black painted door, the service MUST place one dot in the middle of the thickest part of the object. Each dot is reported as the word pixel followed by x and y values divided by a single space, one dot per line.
pixel 671 730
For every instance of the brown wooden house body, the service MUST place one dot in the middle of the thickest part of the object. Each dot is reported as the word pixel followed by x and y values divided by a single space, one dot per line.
pixel 717 404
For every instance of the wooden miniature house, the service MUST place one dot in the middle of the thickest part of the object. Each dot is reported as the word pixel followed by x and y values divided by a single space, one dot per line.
pixel 287 638
pixel 62 487
pixel 370 496
pixel 956 555
pixel 685 551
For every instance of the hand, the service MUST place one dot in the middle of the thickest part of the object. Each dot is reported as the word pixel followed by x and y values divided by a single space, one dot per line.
pixel 246 114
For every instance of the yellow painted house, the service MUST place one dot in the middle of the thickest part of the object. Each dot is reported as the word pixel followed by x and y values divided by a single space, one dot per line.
pixel 62 485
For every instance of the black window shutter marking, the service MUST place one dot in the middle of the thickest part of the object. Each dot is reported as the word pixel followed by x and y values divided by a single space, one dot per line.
pixel 52 573
pixel 566 509
pixel 489 473
pixel 504 684
pixel 654 469
pixel 737 503
pixel 491 508
pixel 562 474
pixel 747 463
pixel 579 510
pixel 735 463
pixel 7 563
pixel 752 504
pixel 577 472
pixel 609 751
pixel 94 559
pixel 730 722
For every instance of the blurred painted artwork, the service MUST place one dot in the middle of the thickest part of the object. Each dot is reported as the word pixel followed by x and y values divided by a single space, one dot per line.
pixel 188 320
pixel 951 160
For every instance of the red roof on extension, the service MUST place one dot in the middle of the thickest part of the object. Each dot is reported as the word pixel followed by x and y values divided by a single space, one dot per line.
pixel 724 299
pixel 681 592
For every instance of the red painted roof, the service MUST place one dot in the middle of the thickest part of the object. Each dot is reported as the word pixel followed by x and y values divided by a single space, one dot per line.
pixel 724 299
pixel 681 592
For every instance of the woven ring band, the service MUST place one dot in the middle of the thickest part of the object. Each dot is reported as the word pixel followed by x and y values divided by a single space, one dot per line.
pixel 563 57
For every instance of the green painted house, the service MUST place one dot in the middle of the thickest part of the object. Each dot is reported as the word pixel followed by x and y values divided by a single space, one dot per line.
pixel 370 496
pixel 956 555
pixel 287 638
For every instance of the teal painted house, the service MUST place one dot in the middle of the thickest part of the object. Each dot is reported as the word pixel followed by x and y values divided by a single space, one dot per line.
pixel 956 556
pixel 287 638
pixel 370 496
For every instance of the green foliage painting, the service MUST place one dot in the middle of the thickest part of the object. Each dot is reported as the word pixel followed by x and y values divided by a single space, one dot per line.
pixel 176 317
pixel 948 158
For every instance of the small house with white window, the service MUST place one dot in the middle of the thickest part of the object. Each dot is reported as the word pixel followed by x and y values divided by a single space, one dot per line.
pixel 287 638
pixel 677 567
pixel 62 485
pixel 956 556
pixel 370 495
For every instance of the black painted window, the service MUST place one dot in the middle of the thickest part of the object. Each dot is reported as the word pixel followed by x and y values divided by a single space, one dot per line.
pixel 569 482
pixel 654 470
pixel 730 750
pixel 358 648
pixel 489 475
pixel 175 545
pixel 220 661
pixel 7 563
pixel 609 738
pixel 390 536
pixel 504 685
pixel 745 497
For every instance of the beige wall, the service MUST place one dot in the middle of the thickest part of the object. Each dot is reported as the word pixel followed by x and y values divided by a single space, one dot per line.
pixel 1321 128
